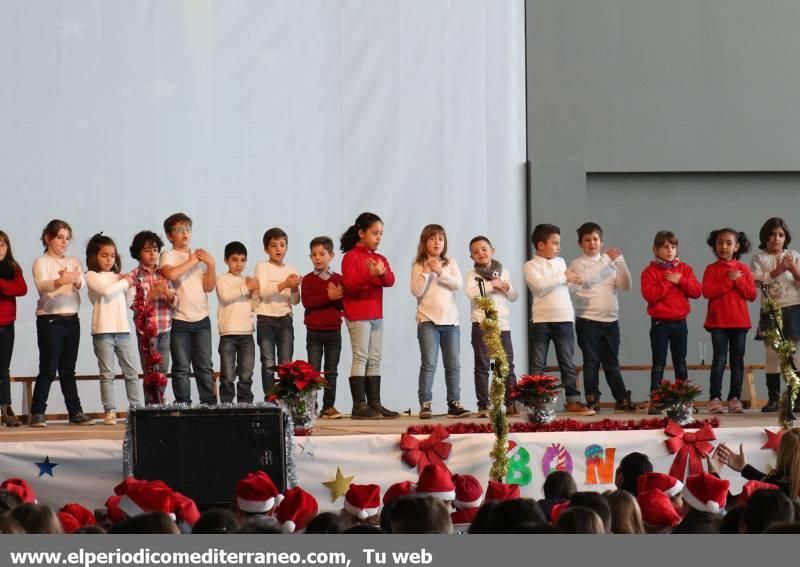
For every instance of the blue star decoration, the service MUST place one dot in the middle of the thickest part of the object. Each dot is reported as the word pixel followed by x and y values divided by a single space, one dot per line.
pixel 46 467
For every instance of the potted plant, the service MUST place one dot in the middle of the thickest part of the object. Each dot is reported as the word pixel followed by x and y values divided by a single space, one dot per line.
pixel 536 396
pixel 677 398
pixel 295 388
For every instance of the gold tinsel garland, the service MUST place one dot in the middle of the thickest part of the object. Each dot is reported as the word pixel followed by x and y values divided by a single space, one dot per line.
pixel 785 349
pixel 497 391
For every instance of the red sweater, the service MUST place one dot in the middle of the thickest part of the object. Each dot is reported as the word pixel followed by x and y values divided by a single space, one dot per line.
pixel 9 291
pixel 666 300
pixel 727 298
pixel 363 292
pixel 322 314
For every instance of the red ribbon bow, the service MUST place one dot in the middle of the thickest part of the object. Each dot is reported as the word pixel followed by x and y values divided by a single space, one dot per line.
pixel 690 447
pixel 434 450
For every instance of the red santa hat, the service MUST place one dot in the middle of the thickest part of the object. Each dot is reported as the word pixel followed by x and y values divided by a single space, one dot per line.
pixel 113 512
pixel 185 510
pixel 21 488
pixel 397 490
pixel 69 523
pixel 436 481
pixel 362 500
pixel 129 482
pixel 501 491
pixel 750 487
pixel 657 509
pixel 667 484
pixel 557 509
pixel 256 493
pixel 464 517
pixel 82 515
pixel 151 496
pixel 706 492
pixel 296 509
pixel 469 492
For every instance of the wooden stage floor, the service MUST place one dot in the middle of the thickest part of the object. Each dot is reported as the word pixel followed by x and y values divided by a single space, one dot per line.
pixel 60 431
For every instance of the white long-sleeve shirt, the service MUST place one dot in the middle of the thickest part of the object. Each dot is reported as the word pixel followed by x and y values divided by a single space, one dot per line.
pixel 275 303
pixel 192 297
pixel 596 299
pixel 784 289
pixel 235 306
pixel 436 295
pixel 107 294
pixel 502 301
pixel 62 300
pixel 547 281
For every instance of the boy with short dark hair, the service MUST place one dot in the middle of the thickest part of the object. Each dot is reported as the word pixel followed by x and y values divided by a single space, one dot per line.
pixel 158 290
pixel 279 290
pixel 597 315
pixel 237 350
pixel 193 275
pixel 547 277
pixel 321 294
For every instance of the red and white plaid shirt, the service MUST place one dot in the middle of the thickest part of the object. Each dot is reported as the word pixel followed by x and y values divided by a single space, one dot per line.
pixel 164 308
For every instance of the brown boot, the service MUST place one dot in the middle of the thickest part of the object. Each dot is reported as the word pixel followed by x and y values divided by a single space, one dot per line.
pixel 8 417
pixel 360 408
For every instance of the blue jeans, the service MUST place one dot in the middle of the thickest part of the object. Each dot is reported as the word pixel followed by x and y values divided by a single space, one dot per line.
pixel 482 365
pixel 329 344
pixel 431 337
pixel 275 336
pixel 58 338
pixel 366 340
pixel 673 335
pixel 106 346
pixel 191 344
pixel 721 339
pixel 237 356
pixel 599 342
pixel 563 338
pixel 6 349
pixel 162 344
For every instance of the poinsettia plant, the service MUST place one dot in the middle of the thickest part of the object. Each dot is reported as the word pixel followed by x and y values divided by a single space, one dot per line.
pixel 535 389
pixel 674 393
pixel 295 378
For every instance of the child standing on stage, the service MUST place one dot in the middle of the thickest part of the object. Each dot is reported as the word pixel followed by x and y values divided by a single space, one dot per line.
pixel 604 275
pixel 365 273
pixel 192 272
pixel 496 281
pixel 667 286
pixel 547 277
pixel 58 330
pixel 778 268
pixel 279 289
pixel 322 293
pixel 111 332
pixel 237 296
pixel 728 285
pixel 158 290
pixel 12 286
pixel 435 278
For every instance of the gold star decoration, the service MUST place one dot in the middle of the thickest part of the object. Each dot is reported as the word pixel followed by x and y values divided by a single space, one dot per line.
pixel 339 485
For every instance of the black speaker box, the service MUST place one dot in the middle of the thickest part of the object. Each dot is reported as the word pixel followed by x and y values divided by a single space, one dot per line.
pixel 203 452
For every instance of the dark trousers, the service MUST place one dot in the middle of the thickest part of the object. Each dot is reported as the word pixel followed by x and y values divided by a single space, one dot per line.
pixel 482 364
pixel 190 345
pixel 237 357
pixel 327 344
pixel 275 337
pixel 563 338
pixel 58 338
pixel 670 335
pixel 721 341
pixel 599 343
pixel 6 348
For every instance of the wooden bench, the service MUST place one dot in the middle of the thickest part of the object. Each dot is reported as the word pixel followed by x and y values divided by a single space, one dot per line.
pixel 27 398
pixel 749 399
